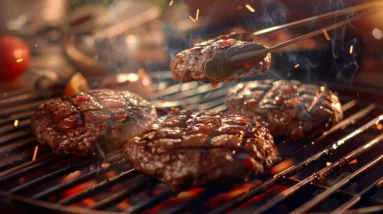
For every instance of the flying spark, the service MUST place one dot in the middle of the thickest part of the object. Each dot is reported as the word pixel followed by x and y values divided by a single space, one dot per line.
pixel 19 60
pixel 35 153
pixel 379 126
pixel 326 34
pixel 171 2
pixel 250 8
pixel 197 15
pixel 351 49
pixel 16 123
pixel 191 18
pixel 296 66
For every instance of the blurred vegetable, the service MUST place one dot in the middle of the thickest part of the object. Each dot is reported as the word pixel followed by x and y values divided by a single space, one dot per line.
pixel 14 58
pixel 76 85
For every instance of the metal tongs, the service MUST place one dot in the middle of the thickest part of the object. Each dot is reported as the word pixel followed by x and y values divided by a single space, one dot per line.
pixel 226 62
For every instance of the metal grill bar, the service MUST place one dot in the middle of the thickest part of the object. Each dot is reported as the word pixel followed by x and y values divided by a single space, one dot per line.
pixel 144 182
pixel 17 145
pixel 203 197
pixel 298 167
pixel 47 160
pixel 57 173
pixel 99 187
pixel 153 201
pixel 21 159
pixel 28 97
pixel 45 157
pixel 323 174
pixel 13 137
pixel 48 192
pixel 373 188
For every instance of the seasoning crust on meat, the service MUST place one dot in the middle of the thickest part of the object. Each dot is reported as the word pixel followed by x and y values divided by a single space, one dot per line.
pixel 185 149
pixel 189 65
pixel 91 122
pixel 288 109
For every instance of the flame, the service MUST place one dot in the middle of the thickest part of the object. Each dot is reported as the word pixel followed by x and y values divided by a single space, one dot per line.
pixel 19 60
pixel 77 189
pixel 224 197
pixel 88 202
pixel 171 2
pixel 379 126
pixel 353 162
pixel 351 49
pixel 296 66
pixel 328 163
pixel 16 123
pixel 111 174
pixel 186 195
pixel 124 205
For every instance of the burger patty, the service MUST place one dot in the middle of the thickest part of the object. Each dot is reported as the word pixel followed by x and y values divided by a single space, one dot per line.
pixel 288 109
pixel 185 149
pixel 91 122
pixel 189 65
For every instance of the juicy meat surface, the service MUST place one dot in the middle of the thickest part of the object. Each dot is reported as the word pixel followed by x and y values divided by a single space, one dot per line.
pixel 189 65
pixel 185 149
pixel 288 109
pixel 91 122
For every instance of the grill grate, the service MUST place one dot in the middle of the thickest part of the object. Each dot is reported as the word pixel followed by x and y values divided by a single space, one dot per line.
pixel 73 184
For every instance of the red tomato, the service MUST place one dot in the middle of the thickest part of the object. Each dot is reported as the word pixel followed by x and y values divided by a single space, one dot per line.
pixel 14 58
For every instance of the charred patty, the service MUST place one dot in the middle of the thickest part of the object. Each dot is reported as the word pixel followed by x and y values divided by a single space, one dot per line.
pixel 288 109
pixel 185 149
pixel 91 122
pixel 189 65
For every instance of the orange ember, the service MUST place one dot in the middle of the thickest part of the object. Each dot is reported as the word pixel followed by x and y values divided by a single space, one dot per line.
pixel 355 161
pixel 124 205
pixel 111 174
pixel 224 197
pixel 77 189
pixel 183 196
pixel 71 176
pixel 214 85
pixel 88 202
pixel 282 166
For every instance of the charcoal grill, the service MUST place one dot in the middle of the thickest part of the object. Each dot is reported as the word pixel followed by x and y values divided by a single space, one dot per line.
pixel 33 179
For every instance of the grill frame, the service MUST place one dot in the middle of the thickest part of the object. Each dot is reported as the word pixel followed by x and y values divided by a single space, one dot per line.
pixel 165 90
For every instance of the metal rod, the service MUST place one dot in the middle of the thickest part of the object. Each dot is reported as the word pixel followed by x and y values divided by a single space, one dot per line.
pixel 294 169
pixel 46 177
pixel 241 57
pixel 373 188
pixel 144 182
pixel 323 174
pixel 48 192
pixel 99 187
pixel 319 198
pixel 139 208
pixel 21 172
pixel 317 18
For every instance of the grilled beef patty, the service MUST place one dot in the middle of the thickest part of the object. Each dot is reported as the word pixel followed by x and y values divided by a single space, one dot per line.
pixel 189 65
pixel 185 149
pixel 91 122
pixel 287 108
